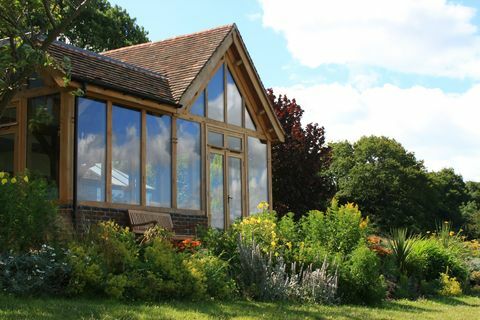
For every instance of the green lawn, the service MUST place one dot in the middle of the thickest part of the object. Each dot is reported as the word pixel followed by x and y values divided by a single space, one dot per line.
pixel 464 308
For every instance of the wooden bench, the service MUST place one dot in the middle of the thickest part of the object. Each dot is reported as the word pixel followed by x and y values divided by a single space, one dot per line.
pixel 141 221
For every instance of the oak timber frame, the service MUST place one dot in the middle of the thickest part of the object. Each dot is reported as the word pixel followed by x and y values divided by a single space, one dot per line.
pixel 233 56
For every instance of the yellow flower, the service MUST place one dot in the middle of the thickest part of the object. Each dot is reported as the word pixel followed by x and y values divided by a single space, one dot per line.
pixel 446 222
pixel 289 245
pixel 273 243
pixel 451 233
pixel 25 179
pixel 363 224
pixel 262 205
pixel 2 174
pixel 4 181
pixel 14 180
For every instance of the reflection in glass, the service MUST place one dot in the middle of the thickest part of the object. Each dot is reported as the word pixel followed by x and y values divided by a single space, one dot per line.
pixel 215 139
pixel 7 149
pixel 188 165
pixel 235 188
pixel 43 139
pixel 257 173
pixel 216 191
pixel 234 143
pixel 234 102
pixel 198 107
pixel 215 96
pixel 248 120
pixel 91 141
pixel 159 161
pixel 9 116
pixel 125 155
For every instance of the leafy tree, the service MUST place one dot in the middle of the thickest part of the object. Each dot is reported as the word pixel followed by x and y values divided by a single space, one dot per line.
pixel 471 210
pixel 451 192
pixel 388 183
pixel 299 165
pixel 102 26
pixel 473 190
pixel 28 27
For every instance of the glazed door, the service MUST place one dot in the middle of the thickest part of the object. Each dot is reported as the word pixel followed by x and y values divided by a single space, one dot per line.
pixel 225 187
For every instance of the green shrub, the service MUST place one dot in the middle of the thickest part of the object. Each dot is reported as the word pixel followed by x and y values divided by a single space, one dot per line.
pixel 87 270
pixel 429 258
pixel 38 272
pixel 27 214
pixel 217 281
pixel 167 274
pixel 360 280
pixel 339 230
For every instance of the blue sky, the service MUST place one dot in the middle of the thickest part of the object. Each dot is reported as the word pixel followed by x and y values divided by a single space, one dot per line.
pixel 407 69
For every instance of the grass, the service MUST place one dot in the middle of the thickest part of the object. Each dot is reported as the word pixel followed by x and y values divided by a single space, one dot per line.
pixel 465 308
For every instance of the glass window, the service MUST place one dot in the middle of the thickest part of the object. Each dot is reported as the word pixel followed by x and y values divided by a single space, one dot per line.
pixel 257 173
pixel 7 152
pixel 35 81
pixel 198 107
pixel 216 191
pixel 215 139
pixel 159 161
pixel 91 150
pixel 234 143
pixel 248 120
pixel 9 116
pixel 188 165
pixel 234 102
pixel 125 155
pixel 215 96
pixel 43 139
pixel 235 188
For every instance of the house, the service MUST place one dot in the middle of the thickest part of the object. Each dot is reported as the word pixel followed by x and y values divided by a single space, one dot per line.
pixel 178 130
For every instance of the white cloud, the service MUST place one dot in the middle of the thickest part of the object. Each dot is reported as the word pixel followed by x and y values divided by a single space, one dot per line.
pixel 442 129
pixel 430 37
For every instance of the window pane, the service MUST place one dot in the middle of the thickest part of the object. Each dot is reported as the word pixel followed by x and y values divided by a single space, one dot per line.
pixel 9 116
pixel 159 161
pixel 235 188
pixel 215 96
pixel 215 139
pixel 7 149
pixel 216 191
pixel 234 102
pixel 188 165
pixel 35 81
pixel 234 143
pixel 248 121
pixel 43 139
pixel 198 107
pixel 125 155
pixel 91 141
pixel 257 173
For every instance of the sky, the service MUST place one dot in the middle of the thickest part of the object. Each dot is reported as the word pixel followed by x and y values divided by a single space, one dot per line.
pixel 405 69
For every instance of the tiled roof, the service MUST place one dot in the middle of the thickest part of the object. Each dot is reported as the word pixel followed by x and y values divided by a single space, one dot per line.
pixel 90 67
pixel 180 59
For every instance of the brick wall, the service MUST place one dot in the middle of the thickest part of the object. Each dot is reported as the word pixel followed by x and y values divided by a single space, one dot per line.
pixel 86 216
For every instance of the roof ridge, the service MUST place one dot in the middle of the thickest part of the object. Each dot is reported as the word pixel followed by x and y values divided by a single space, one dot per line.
pixel 109 59
pixel 231 25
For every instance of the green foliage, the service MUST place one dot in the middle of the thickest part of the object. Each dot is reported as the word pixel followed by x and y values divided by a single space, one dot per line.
pixel 429 258
pixel 391 186
pixel 218 282
pixel 38 272
pixel 360 280
pixel 401 246
pixel 28 215
pixel 102 27
pixel 339 230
